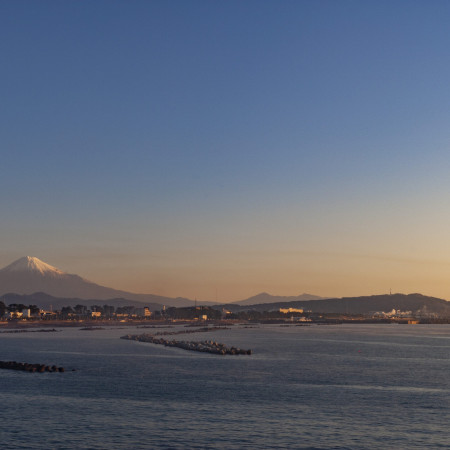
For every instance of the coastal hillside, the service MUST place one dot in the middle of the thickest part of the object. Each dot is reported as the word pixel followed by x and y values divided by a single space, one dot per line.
pixel 358 305
pixel 264 297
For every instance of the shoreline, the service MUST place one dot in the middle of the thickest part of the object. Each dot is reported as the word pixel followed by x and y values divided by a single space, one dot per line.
pixel 30 324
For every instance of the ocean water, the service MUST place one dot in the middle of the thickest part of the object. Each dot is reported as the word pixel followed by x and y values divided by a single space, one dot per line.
pixel 318 387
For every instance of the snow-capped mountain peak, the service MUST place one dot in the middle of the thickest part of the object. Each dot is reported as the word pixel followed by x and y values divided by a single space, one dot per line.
pixel 32 264
pixel 30 276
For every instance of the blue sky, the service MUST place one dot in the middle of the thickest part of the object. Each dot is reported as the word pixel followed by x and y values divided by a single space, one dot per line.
pixel 218 149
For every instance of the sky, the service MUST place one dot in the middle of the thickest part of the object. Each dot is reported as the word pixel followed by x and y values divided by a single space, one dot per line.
pixel 215 150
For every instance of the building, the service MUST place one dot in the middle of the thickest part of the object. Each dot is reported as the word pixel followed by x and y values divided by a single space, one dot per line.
pixel 291 310
pixel 143 312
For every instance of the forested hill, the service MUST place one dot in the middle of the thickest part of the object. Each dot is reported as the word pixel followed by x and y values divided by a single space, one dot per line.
pixel 358 305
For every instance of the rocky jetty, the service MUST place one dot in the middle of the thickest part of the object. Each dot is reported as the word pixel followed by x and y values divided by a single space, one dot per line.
pixel 26 367
pixel 198 330
pixel 91 328
pixel 204 346
pixel 30 331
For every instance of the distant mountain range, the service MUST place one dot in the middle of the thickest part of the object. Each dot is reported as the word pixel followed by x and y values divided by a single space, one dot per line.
pixel 32 281
pixel 30 275
pixel 48 302
pixel 45 285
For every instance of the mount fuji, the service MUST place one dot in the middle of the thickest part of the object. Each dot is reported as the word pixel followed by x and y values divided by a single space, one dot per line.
pixel 29 275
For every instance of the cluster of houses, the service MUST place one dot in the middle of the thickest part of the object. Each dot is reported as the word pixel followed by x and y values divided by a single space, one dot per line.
pixel 25 314
pixel 79 312
pixel 398 314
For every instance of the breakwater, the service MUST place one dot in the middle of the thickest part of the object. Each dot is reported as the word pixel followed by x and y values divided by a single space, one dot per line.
pixel 198 330
pixel 91 328
pixel 204 346
pixel 30 331
pixel 26 367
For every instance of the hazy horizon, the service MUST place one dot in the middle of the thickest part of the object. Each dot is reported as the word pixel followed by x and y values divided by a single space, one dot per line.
pixel 216 150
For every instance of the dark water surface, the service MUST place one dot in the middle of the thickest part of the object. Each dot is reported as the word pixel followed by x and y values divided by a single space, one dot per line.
pixel 343 386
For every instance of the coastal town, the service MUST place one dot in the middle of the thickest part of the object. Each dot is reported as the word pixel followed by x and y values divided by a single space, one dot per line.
pixel 19 314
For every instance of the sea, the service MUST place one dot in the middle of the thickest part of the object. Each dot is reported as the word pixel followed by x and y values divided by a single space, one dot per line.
pixel 348 386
